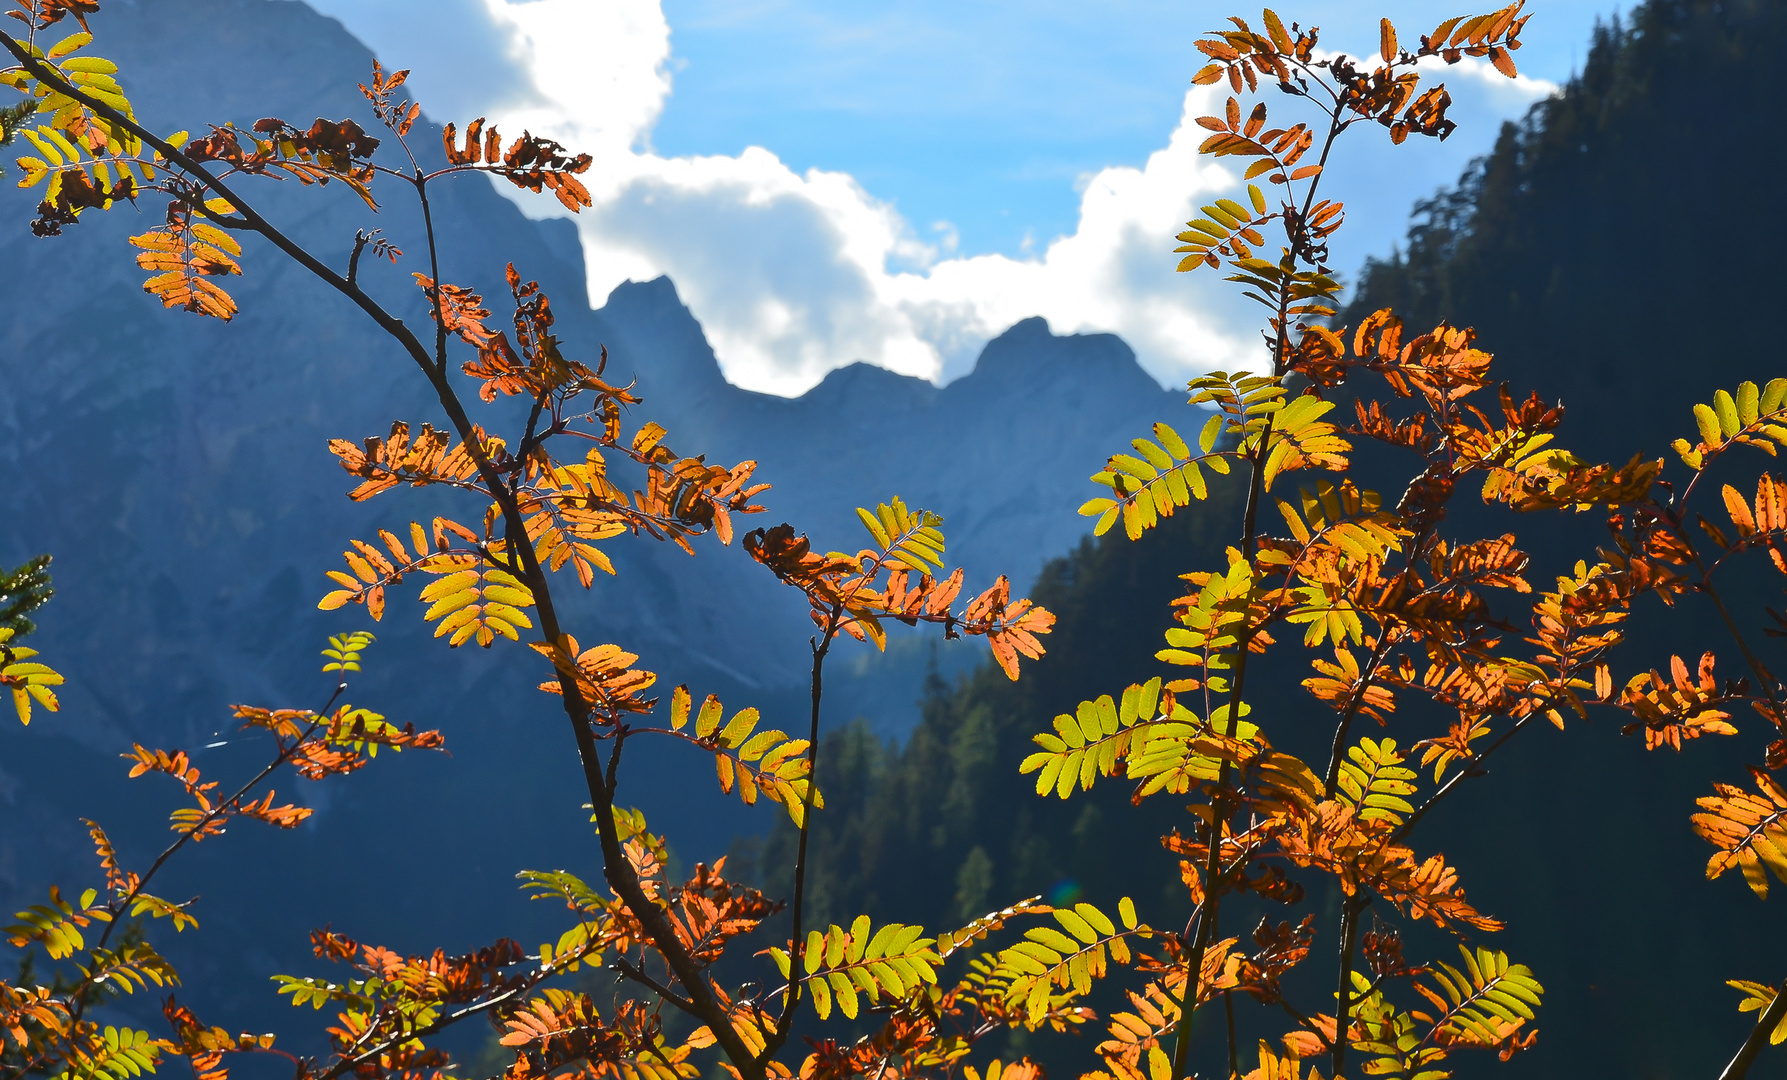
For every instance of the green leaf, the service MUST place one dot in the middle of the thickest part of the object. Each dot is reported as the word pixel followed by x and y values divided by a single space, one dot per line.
pixel 1708 422
pixel 1747 402
pixel 875 527
pixel 1171 440
pixel 1773 395
pixel 1727 412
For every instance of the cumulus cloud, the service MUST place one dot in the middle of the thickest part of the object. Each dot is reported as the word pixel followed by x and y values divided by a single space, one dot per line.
pixel 793 274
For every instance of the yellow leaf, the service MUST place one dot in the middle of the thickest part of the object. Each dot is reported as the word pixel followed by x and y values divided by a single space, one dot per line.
pixel 69 44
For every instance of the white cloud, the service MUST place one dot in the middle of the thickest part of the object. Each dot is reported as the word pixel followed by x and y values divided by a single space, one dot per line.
pixel 795 274
pixel 599 68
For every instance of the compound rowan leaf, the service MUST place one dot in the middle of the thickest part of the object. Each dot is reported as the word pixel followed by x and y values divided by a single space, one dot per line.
pixel 837 964
pixel 1373 781
pixel 1749 829
pixel 477 604
pixel 1048 957
pixel 28 680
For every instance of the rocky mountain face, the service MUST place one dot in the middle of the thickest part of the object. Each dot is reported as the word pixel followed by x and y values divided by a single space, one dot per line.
pixel 176 468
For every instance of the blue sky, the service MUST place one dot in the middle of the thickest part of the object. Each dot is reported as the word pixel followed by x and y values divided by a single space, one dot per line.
pixel 898 181
pixel 983 115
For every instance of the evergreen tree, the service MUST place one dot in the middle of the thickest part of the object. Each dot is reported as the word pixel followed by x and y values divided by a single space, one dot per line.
pixel 1666 267
pixel 24 589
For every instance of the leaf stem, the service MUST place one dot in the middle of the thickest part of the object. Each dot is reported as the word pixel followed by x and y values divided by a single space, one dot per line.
pixel 1352 708
pixel 1705 586
pixel 346 1064
pixel 1743 645
pixel 1468 769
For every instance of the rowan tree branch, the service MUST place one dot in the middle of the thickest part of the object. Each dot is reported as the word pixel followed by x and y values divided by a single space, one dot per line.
pixel 1759 1036
pixel 616 869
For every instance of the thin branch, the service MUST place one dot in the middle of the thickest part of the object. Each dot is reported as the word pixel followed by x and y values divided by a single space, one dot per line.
pixel 820 650
pixel 613 768
pixel 361 239
pixel 1378 656
pixel 1705 586
pixel 347 1064
pixel 1759 1036
pixel 1211 908
pixel 639 976
pixel 118 906
pixel 1305 1022
pixel 533 421
pixel 1762 674
pixel 1470 768
pixel 434 271
pixel 1349 932
pixel 1228 1010
pixel 250 217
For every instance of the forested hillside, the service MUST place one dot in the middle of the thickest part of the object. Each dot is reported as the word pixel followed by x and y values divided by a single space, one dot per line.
pixel 1617 252
pixel 1619 249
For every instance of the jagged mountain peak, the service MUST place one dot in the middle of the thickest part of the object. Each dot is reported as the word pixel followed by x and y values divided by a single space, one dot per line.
pixel 864 382
pixel 1029 352
pixel 655 297
pixel 654 338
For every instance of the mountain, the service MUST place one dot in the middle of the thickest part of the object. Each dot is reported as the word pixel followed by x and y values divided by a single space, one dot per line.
pixel 176 468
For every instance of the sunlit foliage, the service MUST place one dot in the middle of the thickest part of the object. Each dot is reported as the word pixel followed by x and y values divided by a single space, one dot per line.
pixel 1393 606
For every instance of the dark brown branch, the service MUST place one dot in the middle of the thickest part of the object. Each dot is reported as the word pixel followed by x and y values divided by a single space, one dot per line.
pixel 1211 908
pixel 797 940
pixel 616 869
pixel 658 988
pixel 1349 933
pixel 1759 1036
pixel 1228 1011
